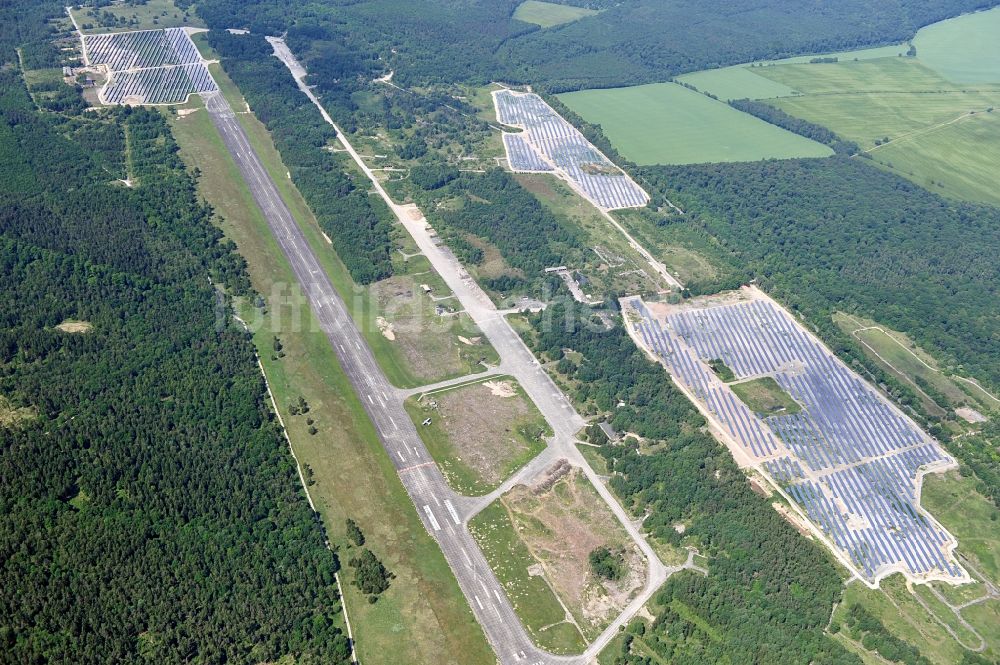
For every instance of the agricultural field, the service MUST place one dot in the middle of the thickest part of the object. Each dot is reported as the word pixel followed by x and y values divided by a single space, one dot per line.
pixel 665 123
pixel 739 82
pixel 555 529
pixel 929 118
pixel 846 456
pixel 550 143
pixel 150 15
pixel 963 49
pixel 549 14
pixel 423 617
pixel 479 433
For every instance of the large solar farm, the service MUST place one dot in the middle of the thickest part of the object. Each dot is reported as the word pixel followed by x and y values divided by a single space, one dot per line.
pixel 849 460
pixel 148 66
pixel 549 144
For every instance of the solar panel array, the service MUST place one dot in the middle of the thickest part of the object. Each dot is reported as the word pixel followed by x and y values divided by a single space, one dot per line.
pixel 549 140
pixel 141 49
pixel 149 66
pixel 160 85
pixel 522 156
pixel 848 458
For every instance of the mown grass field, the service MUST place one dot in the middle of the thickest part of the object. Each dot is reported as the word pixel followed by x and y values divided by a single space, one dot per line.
pixel 964 49
pixel 665 123
pixel 548 14
pixel 423 617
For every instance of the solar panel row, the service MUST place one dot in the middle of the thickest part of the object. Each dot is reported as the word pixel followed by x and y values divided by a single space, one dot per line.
pixel 548 135
pixel 141 49
pixel 847 458
pixel 161 85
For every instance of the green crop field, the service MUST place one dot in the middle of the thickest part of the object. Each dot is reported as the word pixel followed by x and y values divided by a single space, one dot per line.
pixel 963 49
pixel 548 14
pixel 665 123
pixel 942 135
pixel 739 82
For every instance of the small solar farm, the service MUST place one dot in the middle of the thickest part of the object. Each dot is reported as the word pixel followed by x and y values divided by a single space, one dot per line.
pixel 549 144
pixel 846 457
pixel 148 66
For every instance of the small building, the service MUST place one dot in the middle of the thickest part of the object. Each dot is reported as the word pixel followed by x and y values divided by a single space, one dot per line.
pixel 609 432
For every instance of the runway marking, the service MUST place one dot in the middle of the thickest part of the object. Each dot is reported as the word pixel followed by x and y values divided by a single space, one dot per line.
pixel 497 594
pixel 393 422
pixel 383 395
pixel 430 516
pixel 479 602
pixel 467 557
pixel 401 456
pixel 370 400
pixel 342 348
pixel 451 509
pixel 416 466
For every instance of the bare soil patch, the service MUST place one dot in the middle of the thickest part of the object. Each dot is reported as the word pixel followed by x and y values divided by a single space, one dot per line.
pixel 70 326
pixel 561 520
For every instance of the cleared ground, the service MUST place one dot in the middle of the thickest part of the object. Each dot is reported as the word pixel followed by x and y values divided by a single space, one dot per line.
pixel 479 433
pixel 423 617
pixel 548 14
pixel 558 522
pixel 942 135
pixel 665 123
pixel 963 49
pixel 924 618
pixel 11 416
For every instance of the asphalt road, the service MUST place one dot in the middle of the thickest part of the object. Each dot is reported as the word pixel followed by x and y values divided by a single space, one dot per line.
pixel 435 502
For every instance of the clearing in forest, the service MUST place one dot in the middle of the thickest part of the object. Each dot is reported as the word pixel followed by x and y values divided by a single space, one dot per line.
pixel 565 561
pixel 549 14
pixel 666 123
pixel 479 433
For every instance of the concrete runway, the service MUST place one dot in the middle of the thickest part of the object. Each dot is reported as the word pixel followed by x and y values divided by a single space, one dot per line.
pixel 444 513
pixel 435 502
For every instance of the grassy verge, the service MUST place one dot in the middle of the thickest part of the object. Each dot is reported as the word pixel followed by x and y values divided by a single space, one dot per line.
pixel 478 439
pixel 423 617
pixel 533 599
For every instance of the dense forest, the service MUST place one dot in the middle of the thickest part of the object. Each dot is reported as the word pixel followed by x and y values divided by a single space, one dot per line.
pixel 810 130
pixel 769 593
pixel 358 226
pixel 635 41
pixel 149 508
pixel 840 234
